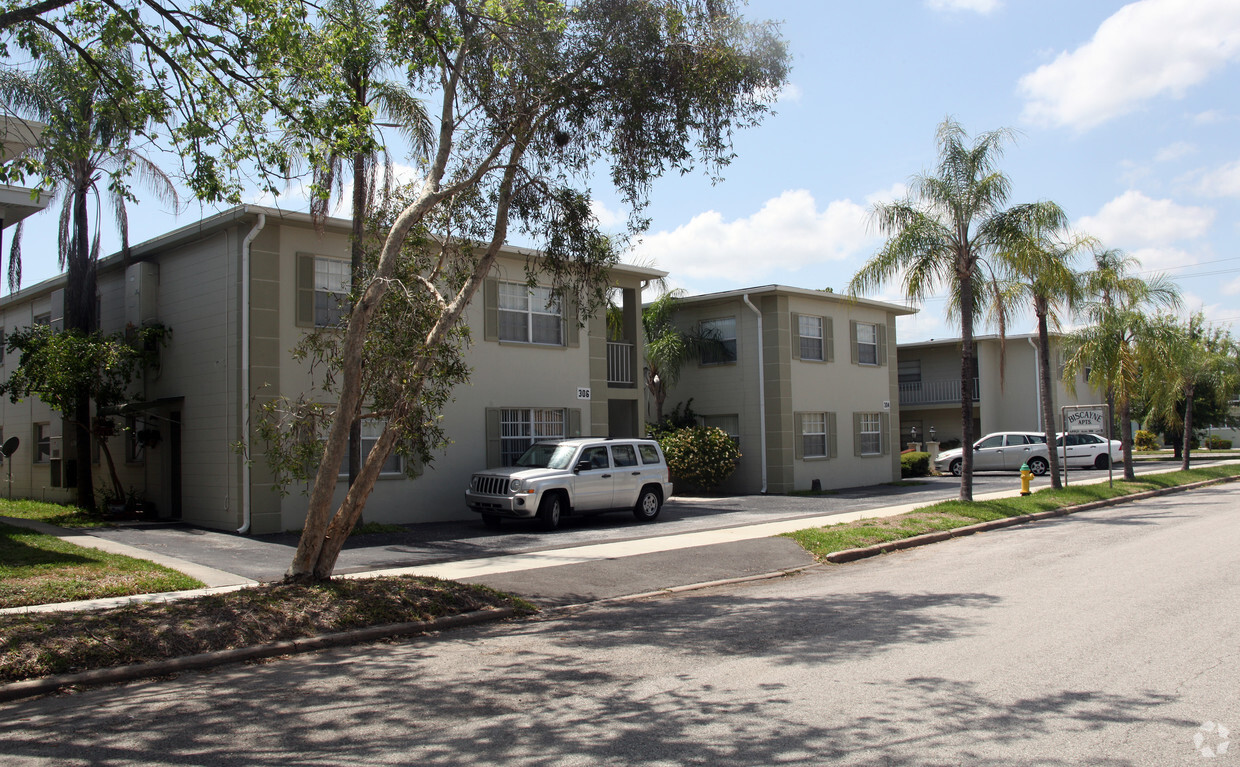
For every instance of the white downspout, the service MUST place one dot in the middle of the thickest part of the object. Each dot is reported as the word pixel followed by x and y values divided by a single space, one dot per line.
pixel 761 391
pixel 245 367
pixel 1037 367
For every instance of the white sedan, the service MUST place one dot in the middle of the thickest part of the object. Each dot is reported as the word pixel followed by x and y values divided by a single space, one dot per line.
pixel 1084 450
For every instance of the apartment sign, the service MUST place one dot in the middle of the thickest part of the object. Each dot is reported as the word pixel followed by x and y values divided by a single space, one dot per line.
pixel 1089 419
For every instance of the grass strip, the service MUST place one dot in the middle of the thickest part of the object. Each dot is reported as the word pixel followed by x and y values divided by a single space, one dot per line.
pixel 51 513
pixel 37 569
pixel 34 645
pixel 947 515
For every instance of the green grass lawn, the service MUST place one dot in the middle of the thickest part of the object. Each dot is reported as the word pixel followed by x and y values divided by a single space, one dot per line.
pixel 51 513
pixel 41 569
pixel 946 515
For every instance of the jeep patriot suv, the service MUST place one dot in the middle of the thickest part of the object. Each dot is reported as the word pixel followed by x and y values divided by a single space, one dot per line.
pixel 574 476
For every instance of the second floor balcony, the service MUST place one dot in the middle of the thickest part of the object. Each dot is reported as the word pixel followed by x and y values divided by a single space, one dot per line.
pixel 621 362
pixel 941 392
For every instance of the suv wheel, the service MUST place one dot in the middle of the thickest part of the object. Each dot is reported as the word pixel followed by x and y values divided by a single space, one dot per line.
pixel 549 511
pixel 647 507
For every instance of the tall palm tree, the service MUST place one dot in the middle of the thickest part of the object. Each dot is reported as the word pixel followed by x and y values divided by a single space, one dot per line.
pixel 351 46
pixel 943 235
pixel 668 347
pixel 1039 268
pixel 85 152
pixel 1116 342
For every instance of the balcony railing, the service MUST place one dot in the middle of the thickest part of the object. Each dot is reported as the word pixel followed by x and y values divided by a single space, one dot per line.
pixel 619 363
pixel 943 392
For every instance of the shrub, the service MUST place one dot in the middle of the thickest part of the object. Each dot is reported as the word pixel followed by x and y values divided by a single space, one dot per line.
pixel 1218 443
pixel 700 456
pixel 915 465
pixel 1145 440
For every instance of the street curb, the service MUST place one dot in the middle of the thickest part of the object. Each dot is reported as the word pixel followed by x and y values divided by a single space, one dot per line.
pixel 852 555
pixel 31 687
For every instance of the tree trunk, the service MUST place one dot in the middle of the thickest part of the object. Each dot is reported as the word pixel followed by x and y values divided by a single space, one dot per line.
pixel 79 316
pixel 1125 432
pixel 355 279
pixel 966 385
pixel 1046 394
pixel 1188 426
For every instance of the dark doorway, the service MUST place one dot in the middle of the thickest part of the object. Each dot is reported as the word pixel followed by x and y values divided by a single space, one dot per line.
pixel 174 453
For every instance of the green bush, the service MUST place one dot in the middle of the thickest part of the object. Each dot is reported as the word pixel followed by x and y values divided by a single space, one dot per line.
pixel 1218 443
pixel 915 465
pixel 702 457
pixel 1145 440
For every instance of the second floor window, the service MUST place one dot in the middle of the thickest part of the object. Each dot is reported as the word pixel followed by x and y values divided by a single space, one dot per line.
pixel 42 443
pixel 331 291
pixel 530 315
pixel 810 331
pixel 720 344
pixel 867 344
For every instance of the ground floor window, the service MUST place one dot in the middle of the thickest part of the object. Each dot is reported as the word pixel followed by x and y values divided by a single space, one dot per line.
pixel 814 435
pixel 522 427
pixel 731 424
pixel 870 434
pixel 42 443
pixel 372 429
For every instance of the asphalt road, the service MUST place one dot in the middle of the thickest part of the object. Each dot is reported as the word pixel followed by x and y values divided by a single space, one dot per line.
pixel 265 558
pixel 1103 638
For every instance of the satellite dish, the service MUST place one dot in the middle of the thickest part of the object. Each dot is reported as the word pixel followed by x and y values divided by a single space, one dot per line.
pixel 10 446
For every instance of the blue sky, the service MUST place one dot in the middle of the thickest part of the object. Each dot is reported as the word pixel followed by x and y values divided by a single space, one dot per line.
pixel 1128 116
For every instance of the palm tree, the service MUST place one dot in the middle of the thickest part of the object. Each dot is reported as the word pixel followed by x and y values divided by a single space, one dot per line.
pixel 667 347
pixel 86 152
pixel 1040 270
pixel 350 46
pixel 1116 343
pixel 943 234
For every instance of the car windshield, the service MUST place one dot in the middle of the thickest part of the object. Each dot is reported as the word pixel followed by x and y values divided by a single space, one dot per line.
pixel 547 455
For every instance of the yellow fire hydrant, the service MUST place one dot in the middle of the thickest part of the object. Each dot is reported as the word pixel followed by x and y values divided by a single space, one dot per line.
pixel 1025 477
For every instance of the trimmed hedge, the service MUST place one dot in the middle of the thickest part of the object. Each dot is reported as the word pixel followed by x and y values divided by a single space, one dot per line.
pixel 915 465
pixel 1145 440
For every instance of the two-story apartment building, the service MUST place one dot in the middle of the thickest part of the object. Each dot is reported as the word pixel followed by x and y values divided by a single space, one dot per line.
pixel 18 202
pixel 804 380
pixel 1005 386
pixel 238 290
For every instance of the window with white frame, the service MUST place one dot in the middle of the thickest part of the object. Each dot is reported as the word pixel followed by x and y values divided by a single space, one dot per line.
pixel 810 331
pixel 814 435
pixel 870 435
pixel 530 314
pixel 867 343
pixel 44 319
pixel 720 340
pixel 42 443
pixel 331 291
pixel 522 427
pixel 372 429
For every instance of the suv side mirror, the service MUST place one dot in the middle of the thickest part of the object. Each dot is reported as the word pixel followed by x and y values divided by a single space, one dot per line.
pixel 582 465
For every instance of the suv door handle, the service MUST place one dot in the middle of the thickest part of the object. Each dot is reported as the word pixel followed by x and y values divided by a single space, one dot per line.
pixel 605 476
pixel 637 474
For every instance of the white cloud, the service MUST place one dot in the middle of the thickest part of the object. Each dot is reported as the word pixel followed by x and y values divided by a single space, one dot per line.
pixel 980 6
pixel 1174 151
pixel 891 194
pixel 607 218
pixel 1132 219
pixel 1222 182
pixel 791 92
pixel 1232 288
pixel 1146 49
pixel 1163 259
pixel 789 232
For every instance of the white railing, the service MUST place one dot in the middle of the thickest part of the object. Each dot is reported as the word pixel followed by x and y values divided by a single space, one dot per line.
pixel 941 392
pixel 619 363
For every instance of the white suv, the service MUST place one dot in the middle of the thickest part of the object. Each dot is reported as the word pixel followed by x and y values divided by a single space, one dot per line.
pixel 574 476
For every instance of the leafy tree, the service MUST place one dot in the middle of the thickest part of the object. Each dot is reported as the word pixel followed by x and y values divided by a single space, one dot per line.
pixel 533 95
pixel 57 366
pixel 85 152
pixel 1190 357
pixel 1039 269
pixel 346 58
pixel 1116 343
pixel 947 234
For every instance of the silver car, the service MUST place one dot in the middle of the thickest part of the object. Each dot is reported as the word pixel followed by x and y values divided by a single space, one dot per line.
pixel 574 476
pixel 1001 451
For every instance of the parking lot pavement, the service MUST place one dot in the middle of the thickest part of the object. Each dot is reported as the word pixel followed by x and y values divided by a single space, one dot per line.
pixel 265 558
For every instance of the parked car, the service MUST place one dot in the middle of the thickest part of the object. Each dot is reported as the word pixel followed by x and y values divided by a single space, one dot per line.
pixel 1088 450
pixel 586 475
pixel 1001 451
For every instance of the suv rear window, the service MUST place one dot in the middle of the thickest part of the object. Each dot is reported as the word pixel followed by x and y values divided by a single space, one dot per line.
pixel 649 453
pixel 623 455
